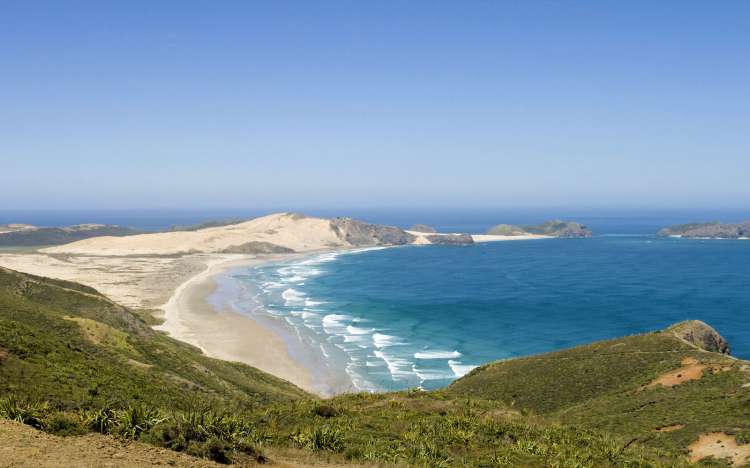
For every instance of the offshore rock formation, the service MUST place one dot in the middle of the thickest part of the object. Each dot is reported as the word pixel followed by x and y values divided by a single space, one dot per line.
pixel 450 239
pixel 713 230
pixel 359 233
pixel 701 335
pixel 550 228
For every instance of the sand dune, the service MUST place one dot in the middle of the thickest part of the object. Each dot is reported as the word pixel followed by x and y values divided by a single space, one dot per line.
pixel 289 230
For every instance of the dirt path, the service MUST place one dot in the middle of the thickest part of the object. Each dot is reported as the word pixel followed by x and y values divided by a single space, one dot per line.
pixel 23 446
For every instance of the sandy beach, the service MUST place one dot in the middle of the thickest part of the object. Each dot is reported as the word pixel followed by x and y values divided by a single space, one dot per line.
pixel 225 334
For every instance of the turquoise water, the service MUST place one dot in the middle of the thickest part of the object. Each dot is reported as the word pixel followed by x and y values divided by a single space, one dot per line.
pixel 424 315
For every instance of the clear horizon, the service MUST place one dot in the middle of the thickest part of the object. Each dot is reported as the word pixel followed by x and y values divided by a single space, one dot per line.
pixel 300 106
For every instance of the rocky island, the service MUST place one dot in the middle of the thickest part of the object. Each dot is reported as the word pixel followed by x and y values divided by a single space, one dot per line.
pixel 555 228
pixel 713 230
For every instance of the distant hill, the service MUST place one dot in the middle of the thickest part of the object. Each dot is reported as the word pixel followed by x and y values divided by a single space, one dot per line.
pixel 550 228
pixel 713 230
pixel 279 232
pixel 14 235
pixel 206 224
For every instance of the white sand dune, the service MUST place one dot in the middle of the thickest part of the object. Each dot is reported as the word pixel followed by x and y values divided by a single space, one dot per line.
pixel 293 231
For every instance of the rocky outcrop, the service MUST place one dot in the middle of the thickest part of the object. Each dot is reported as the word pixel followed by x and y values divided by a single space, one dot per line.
pixel 507 230
pixel 701 335
pixel 359 233
pixel 257 247
pixel 713 230
pixel 555 228
pixel 450 239
pixel 423 228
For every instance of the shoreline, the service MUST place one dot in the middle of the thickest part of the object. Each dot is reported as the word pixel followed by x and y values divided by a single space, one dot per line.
pixel 227 334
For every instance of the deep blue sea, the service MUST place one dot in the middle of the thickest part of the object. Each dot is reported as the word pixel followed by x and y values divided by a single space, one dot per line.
pixel 424 315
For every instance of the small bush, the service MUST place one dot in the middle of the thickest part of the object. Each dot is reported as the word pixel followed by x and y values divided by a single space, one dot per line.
pixel 63 424
pixel 137 419
pixel 23 411
pixel 101 420
pixel 325 411
pixel 319 438
pixel 213 449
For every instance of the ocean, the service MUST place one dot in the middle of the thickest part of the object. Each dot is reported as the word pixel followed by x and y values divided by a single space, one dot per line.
pixel 422 316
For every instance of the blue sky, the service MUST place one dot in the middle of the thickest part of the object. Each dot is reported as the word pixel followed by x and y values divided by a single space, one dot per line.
pixel 237 104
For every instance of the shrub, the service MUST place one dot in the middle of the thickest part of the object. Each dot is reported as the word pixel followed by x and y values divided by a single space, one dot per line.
pixel 100 420
pixel 214 449
pixel 325 411
pixel 63 424
pixel 137 419
pixel 319 438
pixel 23 411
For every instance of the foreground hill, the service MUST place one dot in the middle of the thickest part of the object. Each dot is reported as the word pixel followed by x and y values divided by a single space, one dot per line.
pixel 73 362
pixel 24 235
pixel 665 389
pixel 65 343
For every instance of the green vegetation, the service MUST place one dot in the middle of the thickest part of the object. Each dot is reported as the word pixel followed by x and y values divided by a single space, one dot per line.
pixel 605 386
pixel 207 224
pixel 71 362
pixel 46 236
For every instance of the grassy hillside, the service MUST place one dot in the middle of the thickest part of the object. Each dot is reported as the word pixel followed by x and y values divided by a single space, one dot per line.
pixel 66 343
pixel 71 362
pixel 46 236
pixel 654 388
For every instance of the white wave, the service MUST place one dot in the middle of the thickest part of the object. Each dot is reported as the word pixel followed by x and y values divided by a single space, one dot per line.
pixel 358 331
pixel 354 338
pixel 437 355
pixel 296 279
pixel 365 249
pixel 309 303
pixel 398 367
pixel 309 315
pixel 432 374
pixel 381 340
pixel 459 370
pixel 375 363
pixel 333 324
pixel 292 296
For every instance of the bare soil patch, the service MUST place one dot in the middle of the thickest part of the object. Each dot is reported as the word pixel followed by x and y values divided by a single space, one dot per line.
pixel 670 428
pixel 719 445
pixel 22 446
pixel 691 369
